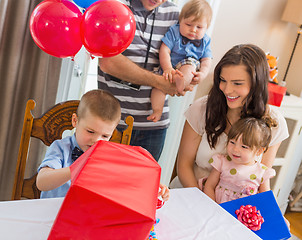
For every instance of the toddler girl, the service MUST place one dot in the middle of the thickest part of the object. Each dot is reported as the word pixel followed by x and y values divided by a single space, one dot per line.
pixel 240 173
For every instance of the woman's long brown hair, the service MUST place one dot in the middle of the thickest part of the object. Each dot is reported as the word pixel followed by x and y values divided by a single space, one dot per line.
pixel 254 59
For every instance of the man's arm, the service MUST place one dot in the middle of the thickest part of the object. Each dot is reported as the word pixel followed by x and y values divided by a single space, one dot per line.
pixel 121 67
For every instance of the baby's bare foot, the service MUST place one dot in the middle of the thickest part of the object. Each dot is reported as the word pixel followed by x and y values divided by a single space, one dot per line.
pixel 180 83
pixel 155 116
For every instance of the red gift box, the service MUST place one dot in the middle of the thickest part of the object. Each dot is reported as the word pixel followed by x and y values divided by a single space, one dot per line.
pixel 275 94
pixel 113 195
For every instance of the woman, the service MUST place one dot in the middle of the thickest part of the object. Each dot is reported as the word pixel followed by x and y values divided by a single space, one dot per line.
pixel 239 91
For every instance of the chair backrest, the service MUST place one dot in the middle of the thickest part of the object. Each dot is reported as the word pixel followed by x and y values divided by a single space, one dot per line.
pixel 48 128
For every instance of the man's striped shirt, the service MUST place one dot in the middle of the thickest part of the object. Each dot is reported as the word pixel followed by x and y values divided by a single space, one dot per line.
pixel 133 102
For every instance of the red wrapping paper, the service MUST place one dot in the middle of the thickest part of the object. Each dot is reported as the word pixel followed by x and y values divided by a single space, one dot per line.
pixel 113 195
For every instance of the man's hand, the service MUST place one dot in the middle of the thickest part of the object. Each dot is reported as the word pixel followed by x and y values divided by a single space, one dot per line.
pixel 187 88
pixel 166 86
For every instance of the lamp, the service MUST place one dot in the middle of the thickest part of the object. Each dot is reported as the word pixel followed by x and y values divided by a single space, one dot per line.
pixel 293 13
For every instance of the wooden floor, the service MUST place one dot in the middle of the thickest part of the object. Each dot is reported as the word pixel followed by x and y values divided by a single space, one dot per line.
pixel 295 219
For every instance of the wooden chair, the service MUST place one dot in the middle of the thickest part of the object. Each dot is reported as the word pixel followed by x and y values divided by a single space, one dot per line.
pixel 48 128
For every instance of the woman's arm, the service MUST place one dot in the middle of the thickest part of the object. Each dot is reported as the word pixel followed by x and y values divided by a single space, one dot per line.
pixel 49 178
pixel 123 68
pixel 269 156
pixel 211 183
pixel 189 144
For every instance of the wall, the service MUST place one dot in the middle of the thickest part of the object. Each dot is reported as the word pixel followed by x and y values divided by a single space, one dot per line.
pixel 258 22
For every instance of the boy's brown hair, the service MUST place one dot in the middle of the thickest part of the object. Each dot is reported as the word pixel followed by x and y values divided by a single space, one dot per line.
pixel 197 8
pixel 256 133
pixel 101 104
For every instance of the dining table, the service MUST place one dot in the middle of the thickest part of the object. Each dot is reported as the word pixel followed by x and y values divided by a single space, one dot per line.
pixel 189 214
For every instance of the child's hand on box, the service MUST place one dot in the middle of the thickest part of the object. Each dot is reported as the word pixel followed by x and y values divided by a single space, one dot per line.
pixel 164 192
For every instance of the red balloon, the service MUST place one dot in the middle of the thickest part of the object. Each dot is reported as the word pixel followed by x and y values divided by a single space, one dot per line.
pixel 108 28
pixel 55 27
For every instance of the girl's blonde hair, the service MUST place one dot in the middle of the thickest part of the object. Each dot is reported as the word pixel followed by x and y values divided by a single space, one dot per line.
pixel 198 9
pixel 256 133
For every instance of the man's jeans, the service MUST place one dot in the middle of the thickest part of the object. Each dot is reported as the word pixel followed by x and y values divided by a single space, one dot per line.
pixel 151 140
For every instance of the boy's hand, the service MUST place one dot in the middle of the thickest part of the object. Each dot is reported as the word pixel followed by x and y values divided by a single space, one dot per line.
pixel 164 192
pixel 49 178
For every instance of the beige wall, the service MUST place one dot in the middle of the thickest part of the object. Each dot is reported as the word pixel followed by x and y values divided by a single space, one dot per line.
pixel 258 22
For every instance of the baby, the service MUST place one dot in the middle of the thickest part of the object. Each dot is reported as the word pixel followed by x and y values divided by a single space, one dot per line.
pixel 185 47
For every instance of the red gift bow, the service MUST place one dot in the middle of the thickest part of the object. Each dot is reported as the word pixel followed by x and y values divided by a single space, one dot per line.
pixel 250 217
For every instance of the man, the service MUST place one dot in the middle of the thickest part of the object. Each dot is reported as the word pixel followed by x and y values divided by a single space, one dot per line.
pixel 153 18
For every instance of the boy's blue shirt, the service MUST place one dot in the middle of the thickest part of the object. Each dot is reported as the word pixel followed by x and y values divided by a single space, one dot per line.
pixel 57 156
pixel 179 51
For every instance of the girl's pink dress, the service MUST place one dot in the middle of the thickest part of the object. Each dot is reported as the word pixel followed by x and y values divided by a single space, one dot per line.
pixel 237 181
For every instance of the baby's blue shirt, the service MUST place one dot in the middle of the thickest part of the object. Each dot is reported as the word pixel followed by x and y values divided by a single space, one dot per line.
pixel 179 51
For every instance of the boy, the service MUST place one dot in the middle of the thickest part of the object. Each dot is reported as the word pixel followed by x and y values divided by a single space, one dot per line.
pixel 97 116
pixel 185 47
